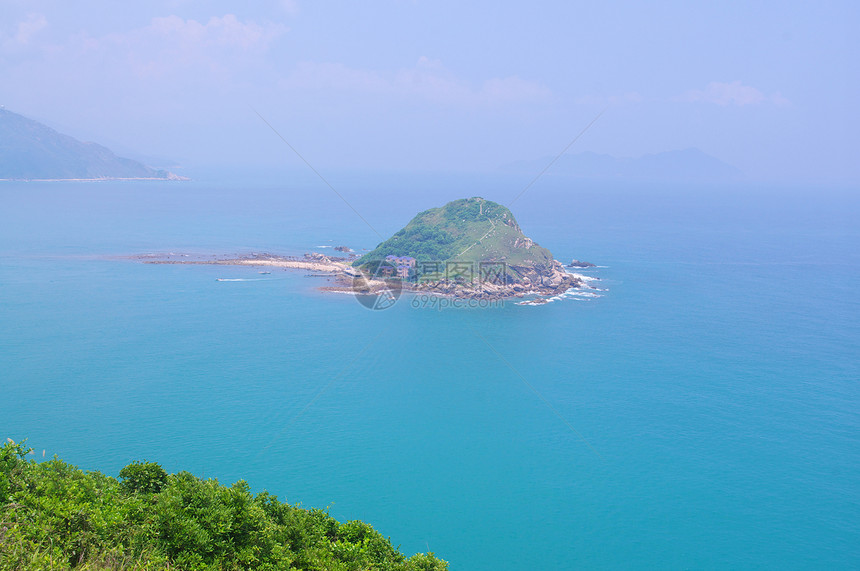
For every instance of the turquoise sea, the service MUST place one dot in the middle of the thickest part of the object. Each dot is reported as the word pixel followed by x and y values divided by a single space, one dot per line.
pixel 703 413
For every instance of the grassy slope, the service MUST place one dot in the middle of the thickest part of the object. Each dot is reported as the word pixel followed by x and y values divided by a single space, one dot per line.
pixel 465 230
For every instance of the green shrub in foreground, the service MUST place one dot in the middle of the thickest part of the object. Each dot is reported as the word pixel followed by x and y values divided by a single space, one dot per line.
pixel 55 516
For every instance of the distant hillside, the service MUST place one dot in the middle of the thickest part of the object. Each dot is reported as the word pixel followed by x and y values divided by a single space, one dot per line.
pixel 688 164
pixel 31 150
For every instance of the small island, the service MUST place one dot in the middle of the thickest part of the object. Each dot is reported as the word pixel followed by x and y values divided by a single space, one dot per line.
pixel 470 248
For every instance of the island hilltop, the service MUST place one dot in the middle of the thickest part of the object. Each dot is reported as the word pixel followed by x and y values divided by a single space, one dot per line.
pixel 469 248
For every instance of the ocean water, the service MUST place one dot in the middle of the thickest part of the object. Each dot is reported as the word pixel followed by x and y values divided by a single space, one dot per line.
pixel 702 413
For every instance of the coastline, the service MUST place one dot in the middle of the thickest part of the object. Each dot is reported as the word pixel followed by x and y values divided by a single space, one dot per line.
pixel 173 177
pixel 349 280
pixel 277 262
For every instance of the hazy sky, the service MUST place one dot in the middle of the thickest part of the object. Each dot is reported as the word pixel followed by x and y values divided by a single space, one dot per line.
pixel 770 87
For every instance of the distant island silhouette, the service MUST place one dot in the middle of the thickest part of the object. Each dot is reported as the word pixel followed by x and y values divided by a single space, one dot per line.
pixel 30 150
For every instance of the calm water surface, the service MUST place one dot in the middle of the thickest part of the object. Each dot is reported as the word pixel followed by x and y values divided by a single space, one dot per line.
pixel 705 410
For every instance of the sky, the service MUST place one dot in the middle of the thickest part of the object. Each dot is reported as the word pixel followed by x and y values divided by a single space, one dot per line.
pixel 443 86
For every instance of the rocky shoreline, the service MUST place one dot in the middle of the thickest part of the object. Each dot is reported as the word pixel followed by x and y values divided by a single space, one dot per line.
pixel 552 281
pixel 547 282
pixel 170 176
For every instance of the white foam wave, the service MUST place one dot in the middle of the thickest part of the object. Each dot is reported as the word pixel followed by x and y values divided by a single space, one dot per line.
pixel 576 293
pixel 572 294
pixel 583 277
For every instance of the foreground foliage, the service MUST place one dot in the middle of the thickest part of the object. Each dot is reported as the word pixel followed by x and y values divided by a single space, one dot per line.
pixel 56 516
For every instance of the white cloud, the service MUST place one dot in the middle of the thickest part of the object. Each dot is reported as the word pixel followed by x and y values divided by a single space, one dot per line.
pixel 427 79
pixel 170 45
pixel 24 31
pixel 734 93
pixel 30 26
pixel 225 31
pixel 779 100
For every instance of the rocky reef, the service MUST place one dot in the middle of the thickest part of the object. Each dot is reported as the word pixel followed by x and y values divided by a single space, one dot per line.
pixel 533 281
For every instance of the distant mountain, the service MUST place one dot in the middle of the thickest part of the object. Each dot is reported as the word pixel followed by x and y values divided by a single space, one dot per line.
pixel 30 150
pixel 688 164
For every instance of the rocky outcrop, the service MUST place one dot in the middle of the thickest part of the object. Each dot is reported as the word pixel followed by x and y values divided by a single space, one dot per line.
pixel 530 280
pixel 316 257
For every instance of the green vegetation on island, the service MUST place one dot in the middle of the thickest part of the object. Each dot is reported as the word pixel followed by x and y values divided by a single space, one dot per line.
pixel 56 516
pixel 466 233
